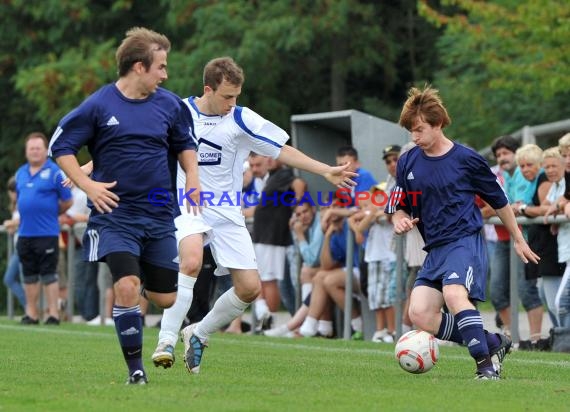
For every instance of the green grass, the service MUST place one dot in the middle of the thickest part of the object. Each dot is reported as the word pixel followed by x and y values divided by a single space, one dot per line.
pixel 80 368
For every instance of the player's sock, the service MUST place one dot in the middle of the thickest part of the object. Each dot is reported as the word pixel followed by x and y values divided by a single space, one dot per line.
pixel 448 329
pixel 129 327
pixel 173 317
pixel 261 308
pixel 470 326
pixel 493 341
pixel 325 327
pixel 227 308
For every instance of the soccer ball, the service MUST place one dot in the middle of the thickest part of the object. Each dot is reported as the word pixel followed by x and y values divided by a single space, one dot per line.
pixel 417 351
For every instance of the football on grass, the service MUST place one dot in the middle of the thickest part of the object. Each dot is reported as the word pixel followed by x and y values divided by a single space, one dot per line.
pixel 417 351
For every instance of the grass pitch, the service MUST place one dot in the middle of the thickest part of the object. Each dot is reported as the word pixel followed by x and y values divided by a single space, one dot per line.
pixel 80 368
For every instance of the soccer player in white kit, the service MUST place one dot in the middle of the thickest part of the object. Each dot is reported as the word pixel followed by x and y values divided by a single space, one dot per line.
pixel 227 133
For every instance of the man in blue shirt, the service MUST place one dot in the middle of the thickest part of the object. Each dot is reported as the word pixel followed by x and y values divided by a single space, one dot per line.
pixel 364 180
pixel 135 132
pixel 41 199
pixel 448 176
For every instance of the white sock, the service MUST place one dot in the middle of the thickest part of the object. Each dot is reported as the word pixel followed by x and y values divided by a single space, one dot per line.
pixel 173 317
pixel 325 327
pixel 261 308
pixel 306 288
pixel 227 308
pixel 356 324
pixel 309 327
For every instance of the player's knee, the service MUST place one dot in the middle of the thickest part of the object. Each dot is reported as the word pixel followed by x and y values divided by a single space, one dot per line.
pixel 248 291
pixel 127 289
pixel 190 265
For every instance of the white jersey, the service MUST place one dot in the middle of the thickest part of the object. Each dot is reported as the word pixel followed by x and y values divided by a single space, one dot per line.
pixel 224 144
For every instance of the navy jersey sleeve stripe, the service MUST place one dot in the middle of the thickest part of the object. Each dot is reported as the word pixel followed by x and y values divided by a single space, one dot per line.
pixel 239 121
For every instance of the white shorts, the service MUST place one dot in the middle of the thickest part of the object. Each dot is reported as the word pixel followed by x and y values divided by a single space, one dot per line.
pixel 270 261
pixel 189 224
pixel 231 245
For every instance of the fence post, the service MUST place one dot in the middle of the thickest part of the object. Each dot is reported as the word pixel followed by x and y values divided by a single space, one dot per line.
pixel 70 273
pixel 399 283
pixel 348 285
pixel 514 292
pixel 9 295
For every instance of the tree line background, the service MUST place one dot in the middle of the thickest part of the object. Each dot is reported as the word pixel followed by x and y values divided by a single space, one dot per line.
pixel 499 64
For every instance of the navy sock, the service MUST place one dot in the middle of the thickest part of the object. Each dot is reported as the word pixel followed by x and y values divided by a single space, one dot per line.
pixel 470 326
pixel 493 341
pixel 128 324
pixel 448 329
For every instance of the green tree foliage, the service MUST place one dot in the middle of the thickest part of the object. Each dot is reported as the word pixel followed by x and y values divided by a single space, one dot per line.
pixel 299 56
pixel 504 64
pixel 303 57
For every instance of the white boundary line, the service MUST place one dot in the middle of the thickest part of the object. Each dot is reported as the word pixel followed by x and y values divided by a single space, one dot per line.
pixel 282 345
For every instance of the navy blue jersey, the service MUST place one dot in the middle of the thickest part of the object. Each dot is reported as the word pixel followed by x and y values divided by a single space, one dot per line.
pixel 132 141
pixel 441 191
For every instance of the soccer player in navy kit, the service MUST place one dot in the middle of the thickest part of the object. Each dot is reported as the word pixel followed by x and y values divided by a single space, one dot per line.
pixel 135 132
pixel 449 175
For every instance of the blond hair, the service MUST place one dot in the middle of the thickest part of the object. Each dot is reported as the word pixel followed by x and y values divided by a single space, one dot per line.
pixel 564 142
pixel 552 152
pixel 425 105
pixel 530 152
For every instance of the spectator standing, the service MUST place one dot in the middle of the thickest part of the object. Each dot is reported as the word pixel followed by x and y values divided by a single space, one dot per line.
pixel 529 160
pixel 41 199
pixel 550 268
pixel 504 149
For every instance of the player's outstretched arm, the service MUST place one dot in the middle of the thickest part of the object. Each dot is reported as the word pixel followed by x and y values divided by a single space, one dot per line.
pixel 521 247
pixel 338 175
pixel 98 192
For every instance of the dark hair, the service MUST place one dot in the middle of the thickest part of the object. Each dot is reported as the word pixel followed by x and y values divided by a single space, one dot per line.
pixel 217 70
pixel 347 151
pixel 505 142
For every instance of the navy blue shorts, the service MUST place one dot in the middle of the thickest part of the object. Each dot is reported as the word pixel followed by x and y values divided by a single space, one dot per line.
pixel 100 240
pixel 462 262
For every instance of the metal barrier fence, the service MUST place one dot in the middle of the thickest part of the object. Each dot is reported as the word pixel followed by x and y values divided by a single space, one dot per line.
pixel 515 262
